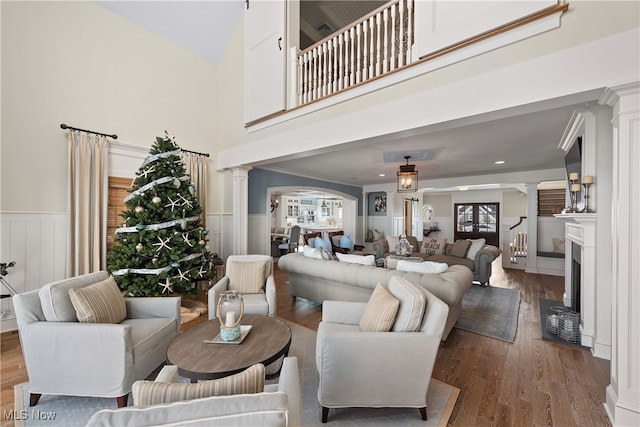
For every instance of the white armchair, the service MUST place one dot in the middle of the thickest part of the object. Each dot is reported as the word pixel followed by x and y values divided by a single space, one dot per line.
pixel 262 302
pixel 66 357
pixel 400 363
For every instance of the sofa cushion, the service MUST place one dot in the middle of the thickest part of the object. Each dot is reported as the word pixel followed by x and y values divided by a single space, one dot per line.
pixel 476 246
pixel 392 241
pixel 54 297
pixel 320 242
pixel 262 409
pixel 328 255
pixel 433 246
pixel 101 302
pixel 413 303
pixel 247 277
pixel 147 334
pixel 453 260
pixel 311 252
pixel 346 242
pixel 426 267
pixel 381 310
pixel 249 381
pixel 460 248
pixel 357 259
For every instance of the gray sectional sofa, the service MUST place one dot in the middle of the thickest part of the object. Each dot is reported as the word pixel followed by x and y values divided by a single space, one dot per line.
pixel 480 265
pixel 319 280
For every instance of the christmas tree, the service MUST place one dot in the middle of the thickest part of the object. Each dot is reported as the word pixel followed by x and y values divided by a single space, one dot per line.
pixel 161 248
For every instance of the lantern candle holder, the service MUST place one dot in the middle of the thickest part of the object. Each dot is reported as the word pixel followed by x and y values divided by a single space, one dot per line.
pixel 230 311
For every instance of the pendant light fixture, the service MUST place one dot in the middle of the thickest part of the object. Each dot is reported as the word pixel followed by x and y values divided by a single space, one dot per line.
pixel 407 177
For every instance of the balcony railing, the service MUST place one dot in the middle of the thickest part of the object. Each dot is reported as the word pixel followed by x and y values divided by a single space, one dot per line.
pixel 376 44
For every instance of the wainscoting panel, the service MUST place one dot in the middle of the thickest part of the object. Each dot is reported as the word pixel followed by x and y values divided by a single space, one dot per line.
pixel 37 242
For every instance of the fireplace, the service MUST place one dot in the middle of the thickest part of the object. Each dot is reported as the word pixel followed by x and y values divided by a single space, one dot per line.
pixel 580 271
pixel 576 282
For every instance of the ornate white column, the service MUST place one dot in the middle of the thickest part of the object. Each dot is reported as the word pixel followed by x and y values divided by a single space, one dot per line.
pixel 623 394
pixel 240 209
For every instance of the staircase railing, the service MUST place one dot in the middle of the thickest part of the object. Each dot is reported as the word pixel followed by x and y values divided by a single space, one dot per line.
pixel 376 44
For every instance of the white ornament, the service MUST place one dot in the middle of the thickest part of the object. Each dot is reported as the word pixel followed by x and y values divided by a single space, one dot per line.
pixel 201 242
pixel 156 200
pixel 139 209
pixel 139 247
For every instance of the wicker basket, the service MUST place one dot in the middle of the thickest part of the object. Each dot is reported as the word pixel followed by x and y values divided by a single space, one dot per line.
pixel 569 327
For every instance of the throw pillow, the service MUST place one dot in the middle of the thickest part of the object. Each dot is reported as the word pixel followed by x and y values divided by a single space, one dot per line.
pixel 327 254
pixel 310 252
pixel 311 242
pixel 393 242
pixel 247 277
pixel 323 243
pixel 54 297
pixel 346 242
pixel 357 259
pixel 369 236
pixel 433 246
pixel 249 381
pixel 558 245
pixel 101 302
pixel 413 303
pixel 460 248
pixel 476 246
pixel 378 235
pixel 426 267
pixel 381 310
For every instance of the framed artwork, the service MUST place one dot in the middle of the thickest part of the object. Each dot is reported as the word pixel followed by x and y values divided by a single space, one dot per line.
pixel 380 203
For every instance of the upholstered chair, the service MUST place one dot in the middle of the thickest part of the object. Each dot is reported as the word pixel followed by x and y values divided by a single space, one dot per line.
pixel 292 243
pixel 252 276
pixel 65 356
pixel 376 369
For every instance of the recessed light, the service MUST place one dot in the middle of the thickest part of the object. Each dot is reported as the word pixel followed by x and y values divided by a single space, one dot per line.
pixel 381 174
pixel 499 162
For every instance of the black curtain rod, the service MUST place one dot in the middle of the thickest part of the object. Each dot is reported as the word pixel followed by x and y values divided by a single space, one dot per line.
pixel 195 152
pixel 114 136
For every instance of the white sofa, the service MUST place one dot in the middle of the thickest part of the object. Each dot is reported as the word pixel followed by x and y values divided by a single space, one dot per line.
pixel 279 405
pixel 70 358
pixel 319 280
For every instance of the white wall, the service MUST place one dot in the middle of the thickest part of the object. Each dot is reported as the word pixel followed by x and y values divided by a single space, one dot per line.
pixel 76 63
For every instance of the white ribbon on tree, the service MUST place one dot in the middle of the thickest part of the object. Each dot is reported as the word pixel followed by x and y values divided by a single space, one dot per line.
pixel 154 183
pixel 155 271
pixel 155 227
pixel 164 155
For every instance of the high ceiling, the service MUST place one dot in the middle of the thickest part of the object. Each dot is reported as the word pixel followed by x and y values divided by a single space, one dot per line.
pixel 524 140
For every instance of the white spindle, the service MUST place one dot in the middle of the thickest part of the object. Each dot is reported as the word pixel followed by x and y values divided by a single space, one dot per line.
pixel 334 61
pixel 385 60
pixel 314 92
pixel 359 52
pixel 352 41
pixel 392 62
pixel 341 40
pixel 410 30
pixel 372 54
pixel 378 45
pixel 401 39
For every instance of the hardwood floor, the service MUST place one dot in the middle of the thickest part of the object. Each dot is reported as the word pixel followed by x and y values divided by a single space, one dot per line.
pixel 531 382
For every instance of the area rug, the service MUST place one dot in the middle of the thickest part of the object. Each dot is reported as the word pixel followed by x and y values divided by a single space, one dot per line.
pixel 489 311
pixel 548 306
pixel 69 411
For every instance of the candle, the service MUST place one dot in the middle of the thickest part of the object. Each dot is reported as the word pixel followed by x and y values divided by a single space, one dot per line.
pixel 230 319
pixel 573 176
pixel 554 320
pixel 575 187
pixel 588 179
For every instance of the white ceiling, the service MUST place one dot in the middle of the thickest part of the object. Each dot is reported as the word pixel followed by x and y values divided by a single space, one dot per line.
pixel 524 140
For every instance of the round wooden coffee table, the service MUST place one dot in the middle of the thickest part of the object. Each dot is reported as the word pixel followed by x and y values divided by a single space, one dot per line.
pixel 268 340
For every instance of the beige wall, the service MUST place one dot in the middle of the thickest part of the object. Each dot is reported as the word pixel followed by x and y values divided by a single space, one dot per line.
pixel 442 205
pixel 514 204
pixel 76 63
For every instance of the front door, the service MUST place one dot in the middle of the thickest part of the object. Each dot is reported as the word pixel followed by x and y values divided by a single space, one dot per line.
pixel 477 220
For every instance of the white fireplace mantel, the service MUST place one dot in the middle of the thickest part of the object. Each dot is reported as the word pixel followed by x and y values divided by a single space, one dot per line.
pixel 580 228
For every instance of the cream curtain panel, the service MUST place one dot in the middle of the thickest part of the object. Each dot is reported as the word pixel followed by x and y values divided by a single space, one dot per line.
pixel 87 202
pixel 196 167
